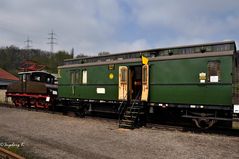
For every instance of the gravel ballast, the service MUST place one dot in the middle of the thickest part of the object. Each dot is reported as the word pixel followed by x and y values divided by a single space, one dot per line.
pixel 46 135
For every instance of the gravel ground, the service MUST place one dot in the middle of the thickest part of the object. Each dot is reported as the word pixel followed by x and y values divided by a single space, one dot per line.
pixel 48 135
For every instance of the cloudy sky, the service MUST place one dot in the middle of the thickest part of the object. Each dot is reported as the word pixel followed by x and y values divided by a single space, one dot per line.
pixel 92 26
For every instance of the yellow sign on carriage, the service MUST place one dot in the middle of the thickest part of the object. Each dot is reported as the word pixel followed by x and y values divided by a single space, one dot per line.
pixel 145 60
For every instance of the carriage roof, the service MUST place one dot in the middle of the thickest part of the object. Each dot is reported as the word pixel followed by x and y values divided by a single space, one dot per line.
pixel 187 51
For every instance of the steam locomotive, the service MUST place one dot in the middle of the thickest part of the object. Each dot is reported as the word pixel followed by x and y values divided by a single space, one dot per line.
pixel 34 89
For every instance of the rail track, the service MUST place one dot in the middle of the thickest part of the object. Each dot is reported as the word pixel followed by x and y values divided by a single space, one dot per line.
pixel 5 154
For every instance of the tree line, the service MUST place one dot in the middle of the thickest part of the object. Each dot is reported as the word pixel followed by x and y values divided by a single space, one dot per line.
pixel 11 57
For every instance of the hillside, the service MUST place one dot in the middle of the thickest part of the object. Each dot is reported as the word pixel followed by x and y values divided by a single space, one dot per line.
pixel 11 58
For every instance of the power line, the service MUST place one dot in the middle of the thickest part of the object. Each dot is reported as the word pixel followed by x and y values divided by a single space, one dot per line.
pixel 28 42
pixel 52 40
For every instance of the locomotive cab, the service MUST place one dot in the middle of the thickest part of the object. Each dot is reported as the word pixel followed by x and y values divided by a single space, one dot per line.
pixel 37 76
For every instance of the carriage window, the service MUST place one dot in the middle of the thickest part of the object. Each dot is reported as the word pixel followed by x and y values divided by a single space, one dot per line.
pixel 24 77
pixel 84 77
pixel 213 71
pixel 72 77
pixel 77 77
pixel 36 78
pixel 124 75
pixel 144 79
pixel 21 77
pixel 50 80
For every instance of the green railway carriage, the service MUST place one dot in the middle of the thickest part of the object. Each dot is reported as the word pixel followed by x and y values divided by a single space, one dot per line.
pixel 199 80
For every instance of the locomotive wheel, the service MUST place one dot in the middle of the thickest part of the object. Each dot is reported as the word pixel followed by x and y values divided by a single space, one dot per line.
pixel 204 123
pixel 17 102
pixel 80 112
pixel 24 102
pixel 41 103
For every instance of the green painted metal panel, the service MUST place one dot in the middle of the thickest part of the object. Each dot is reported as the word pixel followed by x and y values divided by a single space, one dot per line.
pixel 97 77
pixel 171 81
pixel 64 77
pixel 177 81
pixel 185 71
pixel 192 94
pixel 90 92
pixel 100 75
pixel 64 91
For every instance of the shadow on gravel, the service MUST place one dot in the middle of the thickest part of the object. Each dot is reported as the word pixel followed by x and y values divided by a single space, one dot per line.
pixel 182 127
pixel 214 131
pixel 162 123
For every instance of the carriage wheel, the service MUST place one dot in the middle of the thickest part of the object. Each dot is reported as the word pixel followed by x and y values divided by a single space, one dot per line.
pixel 204 123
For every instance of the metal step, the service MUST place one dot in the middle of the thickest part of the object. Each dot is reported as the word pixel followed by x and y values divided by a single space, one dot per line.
pixel 130 112
pixel 127 121
pixel 126 126
pixel 129 116
pixel 135 107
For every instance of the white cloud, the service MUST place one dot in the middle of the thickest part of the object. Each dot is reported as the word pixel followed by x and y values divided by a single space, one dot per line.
pixel 78 22
pixel 183 22
pixel 109 25
pixel 188 17
pixel 139 44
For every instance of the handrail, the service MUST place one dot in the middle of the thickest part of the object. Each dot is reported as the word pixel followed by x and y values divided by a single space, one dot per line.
pixel 134 101
pixel 121 109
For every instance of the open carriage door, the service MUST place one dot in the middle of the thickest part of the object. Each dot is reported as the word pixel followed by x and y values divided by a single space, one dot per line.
pixel 145 82
pixel 123 82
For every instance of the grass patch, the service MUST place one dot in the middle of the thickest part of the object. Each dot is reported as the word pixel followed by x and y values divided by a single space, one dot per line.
pixel 18 148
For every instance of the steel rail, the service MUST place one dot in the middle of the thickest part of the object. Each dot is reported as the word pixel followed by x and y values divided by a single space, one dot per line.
pixel 5 154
